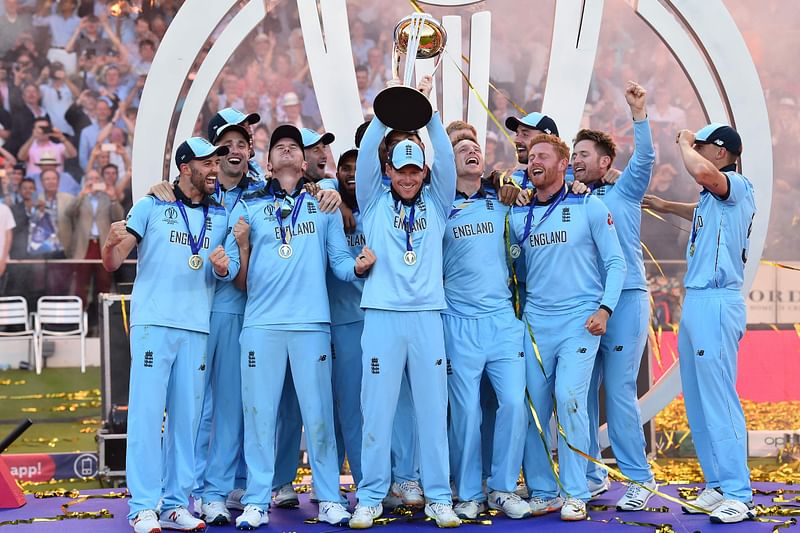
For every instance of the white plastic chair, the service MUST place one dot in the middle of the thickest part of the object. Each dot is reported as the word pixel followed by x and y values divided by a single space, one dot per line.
pixel 14 312
pixel 62 310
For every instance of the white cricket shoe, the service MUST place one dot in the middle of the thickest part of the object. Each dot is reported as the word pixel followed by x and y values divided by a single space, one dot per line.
pixel 732 511
pixel 539 506
pixel 708 500
pixel 333 513
pixel 510 503
pixel 286 497
pixel 181 519
pixel 216 514
pixel 409 492
pixel 573 510
pixel 596 489
pixel 470 509
pixel 636 497
pixel 364 516
pixel 145 522
pixel 443 514
pixel 252 517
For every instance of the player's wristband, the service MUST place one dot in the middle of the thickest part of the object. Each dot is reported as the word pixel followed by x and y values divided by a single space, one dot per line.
pixel 607 309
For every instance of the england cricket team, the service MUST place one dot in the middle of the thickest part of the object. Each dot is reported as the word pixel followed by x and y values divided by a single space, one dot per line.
pixel 381 307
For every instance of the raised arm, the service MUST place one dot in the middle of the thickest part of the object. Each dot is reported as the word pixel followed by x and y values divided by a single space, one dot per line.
pixel 701 169
pixel 605 238
pixel 635 178
pixel 443 171
pixel 665 207
pixel 341 262
pixel 368 165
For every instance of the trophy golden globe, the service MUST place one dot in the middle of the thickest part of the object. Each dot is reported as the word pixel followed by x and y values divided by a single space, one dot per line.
pixel 403 107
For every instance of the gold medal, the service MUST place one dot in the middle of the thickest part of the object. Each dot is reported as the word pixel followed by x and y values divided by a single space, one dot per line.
pixel 195 262
pixel 515 251
pixel 410 258
pixel 285 251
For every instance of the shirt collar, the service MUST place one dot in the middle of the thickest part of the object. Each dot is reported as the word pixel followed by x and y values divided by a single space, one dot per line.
pixel 185 199
pixel 553 196
pixel 729 168
pixel 276 190
pixel 481 192
pixel 407 203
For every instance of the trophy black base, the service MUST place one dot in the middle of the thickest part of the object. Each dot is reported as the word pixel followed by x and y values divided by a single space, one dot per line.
pixel 402 108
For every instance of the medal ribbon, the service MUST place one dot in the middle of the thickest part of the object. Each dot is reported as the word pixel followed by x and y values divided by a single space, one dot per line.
pixel 195 245
pixel 529 219
pixel 408 224
pixel 220 195
pixel 463 205
pixel 295 214
pixel 694 232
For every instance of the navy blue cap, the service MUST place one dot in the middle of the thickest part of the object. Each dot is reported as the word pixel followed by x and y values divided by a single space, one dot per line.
pixel 229 118
pixel 720 135
pixel 535 120
pixel 346 153
pixel 197 148
pixel 407 152
pixel 311 137
pixel 286 131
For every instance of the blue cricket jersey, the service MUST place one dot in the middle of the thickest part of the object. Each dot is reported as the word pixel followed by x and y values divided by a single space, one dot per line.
pixel 393 285
pixel 624 200
pixel 475 266
pixel 571 240
pixel 717 248
pixel 167 292
pixel 290 292
pixel 228 297
pixel 345 297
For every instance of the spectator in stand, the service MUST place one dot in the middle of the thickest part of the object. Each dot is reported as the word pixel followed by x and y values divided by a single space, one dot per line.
pixel 87 38
pixel 45 142
pixel 360 43
pixel 378 71
pixel 50 234
pixel 365 92
pixel 141 33
pixel 8 93
pixel 144 57
pixel 91 214
pixel 20 276
pixel 291 110
pixel 23 117
pixel 66 183
pixel 104 110
pixel 58 95
pixel 12 24
pixel 261 144
pixel 110 83
pixel 263 46
pixel 60 21
pixel 11 180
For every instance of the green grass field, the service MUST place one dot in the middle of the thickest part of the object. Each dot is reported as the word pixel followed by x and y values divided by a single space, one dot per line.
pixel 61 402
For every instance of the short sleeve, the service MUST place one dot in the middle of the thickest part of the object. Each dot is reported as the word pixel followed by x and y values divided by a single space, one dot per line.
pixel 139 215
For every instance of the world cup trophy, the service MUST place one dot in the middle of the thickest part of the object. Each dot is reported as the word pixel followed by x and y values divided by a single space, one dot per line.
pixel 403 107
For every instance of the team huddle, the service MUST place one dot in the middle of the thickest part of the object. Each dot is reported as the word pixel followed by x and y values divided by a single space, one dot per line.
pixel 422 319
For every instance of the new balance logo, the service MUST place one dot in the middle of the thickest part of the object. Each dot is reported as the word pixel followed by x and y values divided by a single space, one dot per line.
pixel 701 352
pixel 375 366
pixel 323 358
pixel 148 359
pixel 565 216
pixel 618 348
pixel 581 350
pixel 521 354
pixel 438 362
pixel 251 359
pixel 449 368
pixel 312 209
pixel 202 367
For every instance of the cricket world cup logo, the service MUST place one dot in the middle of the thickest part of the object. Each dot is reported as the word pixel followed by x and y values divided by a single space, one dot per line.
pixel 702 36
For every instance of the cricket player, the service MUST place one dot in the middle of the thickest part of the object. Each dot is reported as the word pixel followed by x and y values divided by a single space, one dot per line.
pixel 621 348
pixel 287 321
pixel 403 298
pixel 482 334
pixel 575 273
pixel 169 332
pixel 714 316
